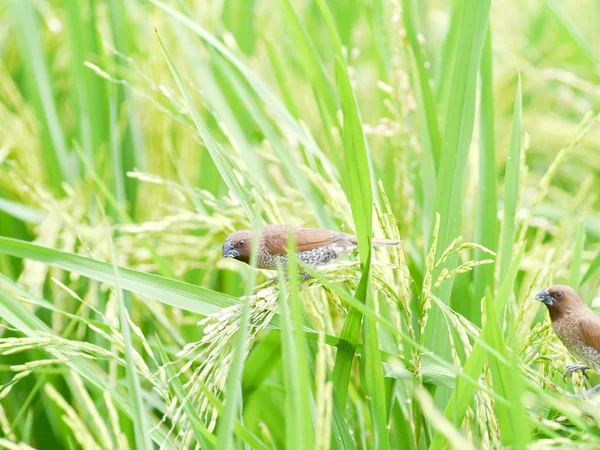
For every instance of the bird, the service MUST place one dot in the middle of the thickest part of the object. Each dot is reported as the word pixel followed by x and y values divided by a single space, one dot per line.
pixel 576 325
pixel 314 246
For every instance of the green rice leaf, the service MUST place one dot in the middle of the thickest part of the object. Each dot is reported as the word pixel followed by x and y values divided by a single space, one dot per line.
pixel 512 419
pixel 311 62
pixel 463 393
pixel 373 375
pixel 299 428
pixel 460 119
pixel 593 268
pixel 234 379
pixel 170 292
pixel 486 226
pixel 233 400
pixel 59 163
pixel 361 201
pixel 215 150
pixel 472 24
pixel 25 321
pixel 134 389
pixel 573 31
pixel 511 186
pixel 22 212
pixel 423 84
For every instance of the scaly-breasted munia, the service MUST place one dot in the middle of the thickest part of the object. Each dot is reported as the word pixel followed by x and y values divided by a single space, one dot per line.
pixel 315 247
pixel 576 326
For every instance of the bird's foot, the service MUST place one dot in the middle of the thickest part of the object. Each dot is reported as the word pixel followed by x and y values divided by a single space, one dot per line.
pixel 575 368
pixel 586 393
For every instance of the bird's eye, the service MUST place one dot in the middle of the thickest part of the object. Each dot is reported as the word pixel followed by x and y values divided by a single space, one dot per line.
pixel 241 243
pixel 558 294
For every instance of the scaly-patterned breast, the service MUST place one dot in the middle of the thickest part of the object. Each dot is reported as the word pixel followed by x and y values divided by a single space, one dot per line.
pixel 320 256
pixel 569 336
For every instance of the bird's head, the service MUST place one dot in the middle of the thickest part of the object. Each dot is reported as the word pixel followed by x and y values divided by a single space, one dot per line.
pixel 238 246
pixel 559 299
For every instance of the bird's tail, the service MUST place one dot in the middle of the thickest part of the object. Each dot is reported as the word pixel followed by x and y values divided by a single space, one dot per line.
pixel 384 243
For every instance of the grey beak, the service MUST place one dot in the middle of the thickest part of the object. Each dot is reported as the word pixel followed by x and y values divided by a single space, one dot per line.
pixel 229 251
pixel 545 297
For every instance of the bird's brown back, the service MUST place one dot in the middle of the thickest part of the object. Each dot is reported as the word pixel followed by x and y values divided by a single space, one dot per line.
pixel 589 330
pixel 275 238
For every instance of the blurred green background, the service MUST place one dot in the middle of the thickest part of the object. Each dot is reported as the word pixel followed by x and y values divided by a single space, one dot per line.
pixel 139 134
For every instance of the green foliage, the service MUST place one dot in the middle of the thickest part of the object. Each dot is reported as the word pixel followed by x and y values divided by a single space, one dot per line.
pixel 391 119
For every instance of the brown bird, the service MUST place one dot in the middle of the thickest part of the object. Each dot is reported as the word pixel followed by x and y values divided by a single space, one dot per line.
pixel 576 326
pixel 315 247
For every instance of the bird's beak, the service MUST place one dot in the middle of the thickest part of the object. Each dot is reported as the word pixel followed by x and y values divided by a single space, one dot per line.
pixel 229 251
pixel 545 297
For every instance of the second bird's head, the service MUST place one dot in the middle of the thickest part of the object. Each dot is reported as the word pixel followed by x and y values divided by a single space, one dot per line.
pixel 559 299
pixel 238 246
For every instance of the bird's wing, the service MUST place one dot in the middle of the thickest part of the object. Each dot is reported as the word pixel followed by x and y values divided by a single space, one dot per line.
pixel 275 238
pixel 589 330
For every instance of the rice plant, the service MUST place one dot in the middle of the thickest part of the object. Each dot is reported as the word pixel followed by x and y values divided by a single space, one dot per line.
pixel 136 136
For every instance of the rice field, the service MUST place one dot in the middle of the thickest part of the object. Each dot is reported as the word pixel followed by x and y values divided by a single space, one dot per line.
pixel 136 135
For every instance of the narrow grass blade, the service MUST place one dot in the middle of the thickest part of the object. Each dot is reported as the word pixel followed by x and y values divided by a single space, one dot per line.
pixel 59 165
pixel 215 150
pixel 458 129
pixel 90 101
pixel 594 266
pixel 233 387
pixel 115 149
pixel 135 158
pixel 134 389
pixel 279 146
pixel 575 273
pixel 459 124
pixel 373 376
pixel 511 186
pixel 345 354
pixel 423 83
pixel 361 201
pixel 311 62
pixel 281 77
pixel 120 212
pixel 171 292
pixel 22 212
pixel 265 355
pixel 486 226
pixel 314 69
pixel 331 28
pixel 377 20
pixel 277 108
pixel 573 31
pixel 356 160
pixel 238 17
pixel 463 393
pixel 299 426
pixel 444 74
pixel 23 319
pixel 341 438
pixel 508 383
pixel 238 428
pixel 435 370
